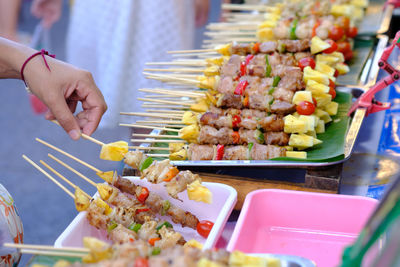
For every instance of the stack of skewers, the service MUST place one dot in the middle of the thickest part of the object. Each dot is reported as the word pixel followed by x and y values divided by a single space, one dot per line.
pixel 266 96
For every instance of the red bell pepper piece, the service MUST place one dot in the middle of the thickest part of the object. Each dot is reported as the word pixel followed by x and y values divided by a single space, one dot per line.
pixel 144 193
pixel 142 210
pixel 235 121
pixel 220 152
pixel 235 137
pixel 239 90
pixel 314 29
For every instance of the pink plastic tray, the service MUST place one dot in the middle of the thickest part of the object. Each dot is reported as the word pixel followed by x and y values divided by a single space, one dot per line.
pixel 224 199
pixel 311 225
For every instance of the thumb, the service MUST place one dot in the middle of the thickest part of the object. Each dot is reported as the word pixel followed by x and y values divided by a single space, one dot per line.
pixel 66 119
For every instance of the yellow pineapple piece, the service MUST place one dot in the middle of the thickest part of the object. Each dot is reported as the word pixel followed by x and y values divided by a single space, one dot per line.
pixel 316 88
pixel 294 125
pixel 312 133
pixel 358 13
pixel 106 176
pixel 325 68
pixel 60 263
pixel 190 133
pixel 338 55
pixel 99 250
pixel 114 151
pixel 328 59
pixel 265 34
pixel 301 96
pixel 210 83
pixel 82 202
pixel 301 141
pixel 318 45
pixel 296 154
pixel 201 106
pixel 270 23
pixel 238 258
pixel 198 192
pixel 225 50
pixel 320 127
pixel 332 108
pixel 310 74
pixel 218 61
pixel 194 244
pixel 360 3
pixel 309 121
pixel 316 141
pixel 342 68
pixel 323 115
pixel 174 147
pixel 189 117
pixel 178 155
pixel 101 204
pixel 211 71
pixel 105 191
pixel 342 10
pixel 323 100
pixel 288 148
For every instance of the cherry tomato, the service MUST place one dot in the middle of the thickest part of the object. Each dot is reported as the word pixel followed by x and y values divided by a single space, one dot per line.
pixel 352 32
pixel 336 33
pixel 306 61
pixel 348 55
pixel 343 47
pixel 331 49
pixel 204 228
pixel 336 74
pixel 314 101
pixel 144 193
pixel 344 23
pixel 305 108
pixel 256 48
pixel 141 262
pixel 332 84
pixel 332 92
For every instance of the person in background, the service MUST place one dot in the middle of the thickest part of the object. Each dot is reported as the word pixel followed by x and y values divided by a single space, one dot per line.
pixel 60 86
pixel 114 41
pixel 9 12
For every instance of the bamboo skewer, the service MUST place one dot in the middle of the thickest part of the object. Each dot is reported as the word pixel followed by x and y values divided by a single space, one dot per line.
pixel 155 136
pixel 226 39
pixel 44 247
pixel 149 148
pixel 53 253
pixel 148 127
pixel 177 63
pixel 69 155
pixel 175 112
pixel 72 170
pixel 87 137
pixel 62 177
pixel 155 115
pixel 157 141
pixel 190 70
pixel 247 7
pixel 161 106
pixel 158 155
pixel 162 122
pixel 173 93
pixel 49 176
pixel 165 101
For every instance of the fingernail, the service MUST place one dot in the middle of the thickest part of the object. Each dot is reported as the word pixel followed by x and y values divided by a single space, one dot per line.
pixel 74 134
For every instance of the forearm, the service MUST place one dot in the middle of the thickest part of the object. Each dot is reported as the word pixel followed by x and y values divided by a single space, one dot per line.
pixel 12 56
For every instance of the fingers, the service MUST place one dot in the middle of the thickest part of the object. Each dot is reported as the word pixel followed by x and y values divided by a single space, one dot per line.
pixel 61 112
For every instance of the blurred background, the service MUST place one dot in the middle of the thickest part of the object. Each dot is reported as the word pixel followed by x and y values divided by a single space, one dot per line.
pixel 45 210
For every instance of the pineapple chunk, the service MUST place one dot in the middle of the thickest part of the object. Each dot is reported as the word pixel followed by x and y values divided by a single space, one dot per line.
pixel 103 205
pixel 318 45
pixel 82 202
pixel 194 244
pixel 238 258
pixel 270 23
pixel 105 191
pixel 199 192
pixel 204 262
pixel 320 127
pixel 211 71
pixel 106 176
pixel 330 59
pixel 338 55
pixel 114 151
pixel 342 68
pixel 325 68
pixel 317 88
pixel 342 10
pixel 312 133
pixel 309 121
pixel 60 263
pixel 189 117
pixel 358 13
pixel 210 83
pixel 301 141
pixel 225 50
pixel 178 155
pixel 219 61
pixel 201 106
pixel 296 154
pixel 301 96
pixel 175 147
pixel 190 133
pixel 359 3
pixel 289 148
pixel 323 100
pixel 310 74
pixel 316 141
pixel 99 250
pixel 323 115
pixel 294 125
pixel 332 108
pixel 265 34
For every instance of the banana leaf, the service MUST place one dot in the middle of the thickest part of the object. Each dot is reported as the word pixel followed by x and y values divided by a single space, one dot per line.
pixel 50 260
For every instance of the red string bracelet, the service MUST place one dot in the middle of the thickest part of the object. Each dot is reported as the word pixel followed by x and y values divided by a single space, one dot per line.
pixel 41 52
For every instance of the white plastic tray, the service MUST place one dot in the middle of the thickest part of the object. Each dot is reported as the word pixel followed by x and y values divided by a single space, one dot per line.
pixel 224 199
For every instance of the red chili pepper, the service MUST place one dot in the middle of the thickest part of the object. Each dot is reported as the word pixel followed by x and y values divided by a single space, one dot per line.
pixel 256 48
pixel 144 193
pixel 314 29
pixel 235 121
pixel 235 137
pixel 142 210
pixel 246 101
pixel 153 240
pixel 239 90
pixel 131 240
pixel 243 65
pixel 220 152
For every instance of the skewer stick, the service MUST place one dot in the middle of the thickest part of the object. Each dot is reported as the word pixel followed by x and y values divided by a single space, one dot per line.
pixel 162 106
pixel 149 148
pixel 68 155
pixel 155 136
pixel 154 115
pixel 228 33
pixel 62 177
pixel 156 141
pixel 247 7
pixel 168 77
pixel 191 51
pixel 87 137
pixel 165 101
pixel 177 63
pixel 53 253
pixel 225 39
pixel 73 170
pixel 167 97
pixel 194 70
pixel 44 247
pixel 148 127
pixel 162 122
pixel 173 93
pixel 174 112
pixel 48 176
pixel 158 155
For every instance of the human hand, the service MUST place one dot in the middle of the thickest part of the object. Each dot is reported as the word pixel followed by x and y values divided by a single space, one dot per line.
pixel 201 12
pixel 61 89
pixel 47 10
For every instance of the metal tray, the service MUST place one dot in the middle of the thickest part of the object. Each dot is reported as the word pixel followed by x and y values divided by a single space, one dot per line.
pixel 377 19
